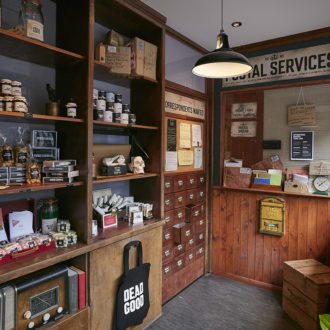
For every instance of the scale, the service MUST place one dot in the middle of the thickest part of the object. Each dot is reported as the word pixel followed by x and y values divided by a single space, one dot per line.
pixel 321 183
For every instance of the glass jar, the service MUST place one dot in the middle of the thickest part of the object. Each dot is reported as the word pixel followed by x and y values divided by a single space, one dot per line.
pixel 20 104
pixel 16 88
pixel 71 109
pixel 49 215
pixel 6 88
pixel 32 19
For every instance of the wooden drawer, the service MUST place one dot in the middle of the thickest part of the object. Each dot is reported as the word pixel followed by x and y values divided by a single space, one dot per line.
pixel 182 232
pixel 200 195
pixel 191 181
pixel 179 199
pixel 179 182
pixel 168 184
pixel 201 180
pixel 195 213
pixel 203 209
pixel 167 253
pixel 190 257
pixel 199 238
pixel 190 244
pixel 200 225
pixel 191 196
pixel 179 215
pixel 168 269
pixel 169 218
pixel 168 235
pixel 179 249
pixel 179 263
pixel 168 202
pixel 199 251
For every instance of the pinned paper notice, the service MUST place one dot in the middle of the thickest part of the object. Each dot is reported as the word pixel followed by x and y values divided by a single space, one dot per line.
pixel 186 157
pixel 171 161
pixel 198 163
pixel 196 135
pixel 185 136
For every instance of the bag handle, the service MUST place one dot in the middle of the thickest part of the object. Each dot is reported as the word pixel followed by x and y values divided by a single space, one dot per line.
pixel 139 258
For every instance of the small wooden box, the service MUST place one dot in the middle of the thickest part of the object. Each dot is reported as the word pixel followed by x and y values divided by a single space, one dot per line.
pixel 306 286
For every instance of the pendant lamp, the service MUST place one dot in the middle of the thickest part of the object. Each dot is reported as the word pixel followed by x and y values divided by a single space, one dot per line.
pixel 223 62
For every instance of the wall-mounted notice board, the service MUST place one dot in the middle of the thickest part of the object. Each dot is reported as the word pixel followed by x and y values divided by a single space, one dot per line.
pixel 184 145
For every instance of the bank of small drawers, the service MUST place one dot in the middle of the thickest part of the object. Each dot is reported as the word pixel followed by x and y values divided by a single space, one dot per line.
pixel 185 221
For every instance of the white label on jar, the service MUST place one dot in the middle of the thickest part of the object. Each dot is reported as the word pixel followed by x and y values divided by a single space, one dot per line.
pixel 6 89
pixel 124 118
pixel 35 30
pixel 48 225
pixel 71 112
pixel 118 107
pixel 20 106
pixel 107 116
pixel 101 105
pixel 9 106
pixel 16 91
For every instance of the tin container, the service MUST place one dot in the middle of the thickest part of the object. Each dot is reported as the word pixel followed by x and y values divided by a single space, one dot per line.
pixel 126 108
pixel 108 116
pixel 101 104
pixel 98 114
pixel 118 107
pixel 102 95
pixel 53 109
pixel 124 118
pixel 132 118
pixel 2 104
pixel 95 94
pixel 118 98
pixel 117 117
pixel 110 97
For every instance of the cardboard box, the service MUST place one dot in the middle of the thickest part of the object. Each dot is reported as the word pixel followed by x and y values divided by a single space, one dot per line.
pixel 150 60
pixel 113 170
pixel 295 187
pixel 112 38
pixel 100 52
pixel 119 58
pixel 237 177
pixel 137 56
pixel 321 167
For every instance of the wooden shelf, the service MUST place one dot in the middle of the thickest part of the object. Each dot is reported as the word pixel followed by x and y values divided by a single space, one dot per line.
pixel 122 126
pixel 42 260
pixel 28 117
pixel 126 177
pixel 37 187
pixel 27 49
pixel 102 72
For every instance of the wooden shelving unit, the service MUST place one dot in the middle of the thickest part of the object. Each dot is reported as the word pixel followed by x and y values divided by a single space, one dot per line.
pixel 124 126
pixel 127 177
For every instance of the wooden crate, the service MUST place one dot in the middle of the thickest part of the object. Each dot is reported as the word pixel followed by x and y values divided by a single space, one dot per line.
pixel 306 286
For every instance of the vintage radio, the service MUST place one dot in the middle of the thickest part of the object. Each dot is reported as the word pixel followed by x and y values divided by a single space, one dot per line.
pixel 35 299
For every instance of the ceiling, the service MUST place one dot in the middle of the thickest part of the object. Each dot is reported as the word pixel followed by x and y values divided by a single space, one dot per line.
pixel 200 20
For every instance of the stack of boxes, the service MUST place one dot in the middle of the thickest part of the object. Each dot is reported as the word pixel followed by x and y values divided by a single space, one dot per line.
pixel 44 145
pixel 59 171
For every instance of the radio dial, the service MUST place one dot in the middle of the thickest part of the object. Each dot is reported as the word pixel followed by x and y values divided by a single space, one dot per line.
pixel 31 325
pixel 27 315
pixel 60 310
pixel 46 317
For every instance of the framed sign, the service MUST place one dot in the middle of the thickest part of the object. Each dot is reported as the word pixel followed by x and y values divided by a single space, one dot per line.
pixel 244 110
pixel 302 145
pixel 301 115
pixel 243 128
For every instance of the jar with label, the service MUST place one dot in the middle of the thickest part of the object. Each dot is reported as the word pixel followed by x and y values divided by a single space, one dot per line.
pixel 101 104
pixel 118 107
pixel 16 88
pixel 49 215
pixel 124 118
pixel 108 116
pixel 8 102
pixel 71 109
pixel 32 20
pixel 110 97
pixel 6 88
pixel 19 104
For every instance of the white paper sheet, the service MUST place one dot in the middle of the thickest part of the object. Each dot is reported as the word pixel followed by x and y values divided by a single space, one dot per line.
pixel 196 135
pixel 198 163
pixel 20 223
pixel 185 136
pixel 171 161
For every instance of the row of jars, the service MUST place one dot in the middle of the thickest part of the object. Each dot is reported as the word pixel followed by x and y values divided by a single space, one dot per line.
pixel 11 98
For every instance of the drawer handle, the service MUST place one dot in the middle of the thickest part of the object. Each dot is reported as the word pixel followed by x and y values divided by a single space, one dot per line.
pixel 200 251
pixel 167 219
pixel 166 269
pixel 167 253
pixel 196 213
pixel 190 256
pixel 179 263
pixel 180 182
pixel 188 233
pixel 201 222
pixel 201 194
pixel 180 215
pixel 201 179
pixel 191 242
pixel 180 199
pixel 167 236
pixel 192 181
pixel 167 185
pixel 191 196
pixel 297 298
pixel 201 236
pixel 180 247
pixel 167 202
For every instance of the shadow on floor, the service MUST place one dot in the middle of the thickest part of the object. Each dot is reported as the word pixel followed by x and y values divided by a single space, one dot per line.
pixel 217 303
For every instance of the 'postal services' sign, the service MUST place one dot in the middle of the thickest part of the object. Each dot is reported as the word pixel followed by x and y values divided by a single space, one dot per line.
pixel 292 64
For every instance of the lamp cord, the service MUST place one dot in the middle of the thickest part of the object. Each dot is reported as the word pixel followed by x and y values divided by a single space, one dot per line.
pixel 221 15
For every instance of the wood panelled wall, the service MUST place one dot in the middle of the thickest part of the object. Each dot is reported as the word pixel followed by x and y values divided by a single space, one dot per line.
pixel 239 251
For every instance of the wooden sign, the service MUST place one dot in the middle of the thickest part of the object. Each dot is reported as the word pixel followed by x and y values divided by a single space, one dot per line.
pixel 302 115
pixel 243 128
pixel 186 106
pixel 244 110
pixel 272 216
pixel 292 64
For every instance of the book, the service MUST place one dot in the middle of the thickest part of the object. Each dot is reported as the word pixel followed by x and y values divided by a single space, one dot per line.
pixel 73 290
pixel 69 174
pixel 81 287
pixel 56 163
pixel 56 180
pixel 58 168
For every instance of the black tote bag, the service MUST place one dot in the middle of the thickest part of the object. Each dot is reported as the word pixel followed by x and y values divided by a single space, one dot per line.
pixel 133 293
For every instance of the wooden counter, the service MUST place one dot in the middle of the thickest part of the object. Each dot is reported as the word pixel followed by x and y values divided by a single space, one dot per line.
pixel 239 251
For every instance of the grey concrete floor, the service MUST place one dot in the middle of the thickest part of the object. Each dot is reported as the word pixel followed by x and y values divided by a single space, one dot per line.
pixel 217 303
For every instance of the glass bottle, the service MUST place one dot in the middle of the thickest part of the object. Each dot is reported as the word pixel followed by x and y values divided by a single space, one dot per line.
pixel 32 19
pixel 49 215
